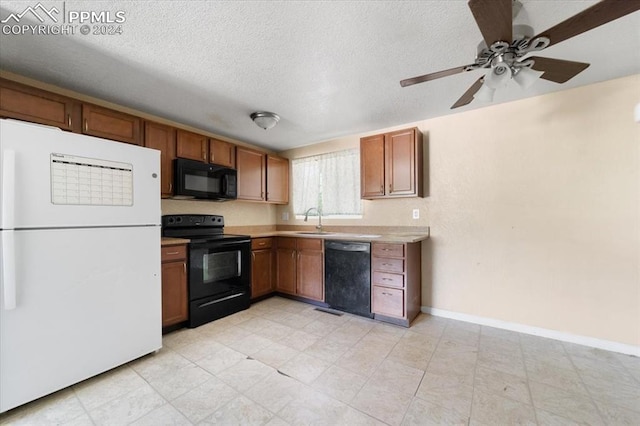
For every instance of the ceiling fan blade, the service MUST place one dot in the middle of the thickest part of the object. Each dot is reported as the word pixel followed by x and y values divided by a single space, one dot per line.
pixel 557 70
pixel 494 18
pixel 432 76
pixel 590 18
pixel 468 95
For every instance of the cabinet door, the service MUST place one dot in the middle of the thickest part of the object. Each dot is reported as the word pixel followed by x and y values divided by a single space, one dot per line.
pixel 310 271
pixel 222 153
pixel 163 138
pixel 109 124
pixel 174 293
pixel 277 180
pixel 286 265
pixel 401 152
pixel 372 166
pixel 251 174
pixel 191 145
pixel 261 272
pixel 38 106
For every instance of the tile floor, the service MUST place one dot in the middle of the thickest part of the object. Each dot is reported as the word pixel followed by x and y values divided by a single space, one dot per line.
pixel 284 363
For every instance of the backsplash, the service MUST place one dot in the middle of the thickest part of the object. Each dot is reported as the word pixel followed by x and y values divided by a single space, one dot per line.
pixel 236 213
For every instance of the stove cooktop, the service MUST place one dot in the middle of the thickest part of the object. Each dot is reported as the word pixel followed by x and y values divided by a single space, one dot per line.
pixel 198 228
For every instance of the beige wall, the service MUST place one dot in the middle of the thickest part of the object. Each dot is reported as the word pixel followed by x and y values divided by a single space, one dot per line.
pixel 236 213
pixel 534 208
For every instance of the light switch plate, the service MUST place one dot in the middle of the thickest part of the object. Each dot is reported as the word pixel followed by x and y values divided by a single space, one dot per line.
pixel 285 216
pixel 416 213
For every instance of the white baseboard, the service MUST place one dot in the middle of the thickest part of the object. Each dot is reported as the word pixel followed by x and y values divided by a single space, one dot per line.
pixel 536 331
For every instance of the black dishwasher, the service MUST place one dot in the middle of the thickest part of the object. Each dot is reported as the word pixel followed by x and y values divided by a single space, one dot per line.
pixel 347 276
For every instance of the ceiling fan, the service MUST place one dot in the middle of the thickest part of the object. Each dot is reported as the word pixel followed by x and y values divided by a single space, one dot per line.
pixel 505 55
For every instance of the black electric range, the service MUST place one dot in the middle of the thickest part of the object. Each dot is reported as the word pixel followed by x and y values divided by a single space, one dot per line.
pixel 219 266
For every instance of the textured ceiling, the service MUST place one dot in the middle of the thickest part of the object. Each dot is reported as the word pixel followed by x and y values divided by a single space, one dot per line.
pixel 328 68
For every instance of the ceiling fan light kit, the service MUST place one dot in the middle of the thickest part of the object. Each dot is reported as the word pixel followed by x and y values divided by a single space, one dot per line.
pixel 506 56
pixel 264 119
pixel 485 93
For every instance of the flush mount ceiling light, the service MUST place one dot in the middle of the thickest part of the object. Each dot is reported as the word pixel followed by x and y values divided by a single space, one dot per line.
pixel 264 119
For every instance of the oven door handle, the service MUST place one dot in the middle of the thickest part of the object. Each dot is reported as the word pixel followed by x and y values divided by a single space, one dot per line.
pixel 213 302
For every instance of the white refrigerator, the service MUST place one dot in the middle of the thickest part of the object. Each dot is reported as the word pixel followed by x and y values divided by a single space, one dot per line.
pixel 80 258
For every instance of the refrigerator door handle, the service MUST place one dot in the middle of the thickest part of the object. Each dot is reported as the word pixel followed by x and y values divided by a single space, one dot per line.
pixel 8 270
pixel 8 189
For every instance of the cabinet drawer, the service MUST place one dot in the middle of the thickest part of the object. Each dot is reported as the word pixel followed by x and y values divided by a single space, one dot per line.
pixel 309 244
pixel 389 280
pixel 385 264
pixel 174 253
pixel 388 250
pixel 287 242
pixel 388 301
pixel 261 243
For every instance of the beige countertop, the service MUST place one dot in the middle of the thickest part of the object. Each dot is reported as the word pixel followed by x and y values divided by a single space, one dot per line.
pixel 367 234
pixel 173 241
pixel 400 237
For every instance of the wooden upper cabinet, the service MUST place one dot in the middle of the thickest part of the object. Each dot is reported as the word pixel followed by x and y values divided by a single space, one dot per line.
pixel 391 165
pixel 372 166
pixel 191 145
pixel 110 124
pixel 251 167
pixel 39 106
pixel 162 138
pixel 277 180
pixel 401 155
pixel 222 153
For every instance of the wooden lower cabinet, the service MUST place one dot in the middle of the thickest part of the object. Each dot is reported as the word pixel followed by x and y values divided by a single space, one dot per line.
pixel 175 307
pixel 300 267
pixel 262 266
pixel 286 265
pixel 310 269
pixel 396 282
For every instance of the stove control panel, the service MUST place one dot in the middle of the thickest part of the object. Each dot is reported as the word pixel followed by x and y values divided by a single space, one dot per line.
pixel 192 220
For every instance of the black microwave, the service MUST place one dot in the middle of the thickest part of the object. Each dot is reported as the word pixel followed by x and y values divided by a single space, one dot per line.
pixel 195 179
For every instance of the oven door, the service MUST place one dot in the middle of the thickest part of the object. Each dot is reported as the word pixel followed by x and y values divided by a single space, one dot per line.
pixel 218 269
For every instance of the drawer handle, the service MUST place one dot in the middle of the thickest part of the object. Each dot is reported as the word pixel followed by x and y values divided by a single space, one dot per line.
pixel 387 264
pixel 173 252
pixel 387 294
pixel 387 279
pixel 386 249
pixel 261 244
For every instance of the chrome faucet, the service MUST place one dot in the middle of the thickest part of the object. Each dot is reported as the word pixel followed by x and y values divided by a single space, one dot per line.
pixel 306 217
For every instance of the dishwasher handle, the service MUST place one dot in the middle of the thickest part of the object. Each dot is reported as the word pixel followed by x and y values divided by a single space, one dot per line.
pixel 347 246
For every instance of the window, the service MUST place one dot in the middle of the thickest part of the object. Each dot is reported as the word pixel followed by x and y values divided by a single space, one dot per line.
pixel 328 181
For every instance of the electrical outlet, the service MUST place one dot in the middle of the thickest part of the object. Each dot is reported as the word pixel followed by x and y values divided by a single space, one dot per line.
pixel 285 216
pixel 416 213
